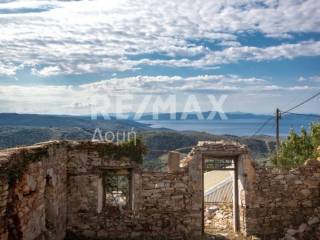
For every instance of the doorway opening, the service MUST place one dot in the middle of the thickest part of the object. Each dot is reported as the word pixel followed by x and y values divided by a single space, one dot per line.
pixel 220 195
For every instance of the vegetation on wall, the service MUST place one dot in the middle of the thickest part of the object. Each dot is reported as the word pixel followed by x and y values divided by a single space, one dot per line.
pixel 133 149
pixel 298 148
pixel 21 160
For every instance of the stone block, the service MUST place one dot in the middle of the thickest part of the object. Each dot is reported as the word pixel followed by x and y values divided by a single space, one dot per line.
pixel 173 161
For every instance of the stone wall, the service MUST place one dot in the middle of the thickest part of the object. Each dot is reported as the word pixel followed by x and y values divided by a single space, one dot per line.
pixel 167 204
pixel 164 203
pixel 3 205
pixel 49 189
pixel 86 213
pixel 307 230
pixel 33 192
pixel 281 199
pixel 53 188
pixel 161 200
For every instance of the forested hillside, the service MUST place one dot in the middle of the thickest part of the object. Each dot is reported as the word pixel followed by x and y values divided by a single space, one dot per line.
pixel 18 130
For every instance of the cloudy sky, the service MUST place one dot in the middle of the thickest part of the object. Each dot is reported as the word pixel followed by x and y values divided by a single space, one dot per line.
pixel 55 56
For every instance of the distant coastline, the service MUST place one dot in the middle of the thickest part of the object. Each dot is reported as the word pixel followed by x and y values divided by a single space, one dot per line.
pixel 233 126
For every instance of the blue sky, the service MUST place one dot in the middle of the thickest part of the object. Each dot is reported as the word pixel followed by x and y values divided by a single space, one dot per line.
pixel 56 56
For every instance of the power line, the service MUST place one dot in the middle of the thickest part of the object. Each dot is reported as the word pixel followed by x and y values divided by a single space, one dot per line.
pixel 304 114
pixel 273 126
pixel 286 112
pixel 262 126
pixel 302 103
pixel 278 115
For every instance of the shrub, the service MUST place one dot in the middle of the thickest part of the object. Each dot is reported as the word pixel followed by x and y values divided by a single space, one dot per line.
pixel 296 149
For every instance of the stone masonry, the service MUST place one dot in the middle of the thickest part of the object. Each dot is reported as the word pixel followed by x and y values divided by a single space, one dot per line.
pixel 60 189
pixel 160 201
pixel 36 204
pixel 281 199
pixel 54 188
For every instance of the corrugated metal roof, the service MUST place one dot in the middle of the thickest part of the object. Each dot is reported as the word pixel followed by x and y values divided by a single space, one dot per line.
pixel 222 192
pixel 212 178
pixel 218 186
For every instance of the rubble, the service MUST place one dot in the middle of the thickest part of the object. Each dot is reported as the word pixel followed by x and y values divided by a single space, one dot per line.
pixel 218 217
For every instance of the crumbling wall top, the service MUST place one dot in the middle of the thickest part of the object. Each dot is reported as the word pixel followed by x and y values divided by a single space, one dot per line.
pixel 225 148
pixel 7 154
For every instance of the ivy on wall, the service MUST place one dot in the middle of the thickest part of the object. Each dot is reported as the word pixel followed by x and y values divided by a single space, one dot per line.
pixel 20 161
pixel 134 150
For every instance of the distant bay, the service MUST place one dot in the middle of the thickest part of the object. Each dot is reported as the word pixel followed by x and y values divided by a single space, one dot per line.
pixel 239 127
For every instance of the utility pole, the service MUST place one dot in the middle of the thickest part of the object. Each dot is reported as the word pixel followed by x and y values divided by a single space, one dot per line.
pixel 278 117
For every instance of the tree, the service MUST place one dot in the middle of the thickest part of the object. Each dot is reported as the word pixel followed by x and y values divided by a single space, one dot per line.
pixel 296 149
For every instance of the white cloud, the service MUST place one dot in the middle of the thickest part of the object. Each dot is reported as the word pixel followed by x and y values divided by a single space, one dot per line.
pixel 47 71
pixel 312 80
pixel 7 69
pixel 177 84
pixel 315 78
pixel 74 37
pixel 78 100
pixel 302 79
pixel 40 99
pixel 235 54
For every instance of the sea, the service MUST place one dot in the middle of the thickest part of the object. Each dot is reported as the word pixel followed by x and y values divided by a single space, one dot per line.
pixel 238 127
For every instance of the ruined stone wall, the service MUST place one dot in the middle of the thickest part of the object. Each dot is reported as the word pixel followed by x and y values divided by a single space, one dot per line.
pixel 50 189
pixel 33 192
pixel 87 215
pixel 161 200
pixel 167 204
pixel 280 199
pixel 3 205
